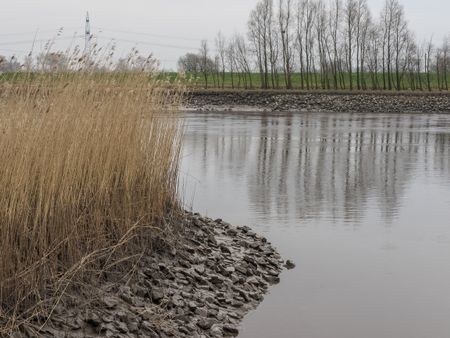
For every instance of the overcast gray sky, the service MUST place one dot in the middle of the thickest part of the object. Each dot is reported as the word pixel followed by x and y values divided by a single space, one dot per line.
pixel 179 25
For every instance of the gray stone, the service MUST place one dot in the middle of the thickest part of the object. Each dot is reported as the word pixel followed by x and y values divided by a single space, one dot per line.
pixel 216 331
pixel 202 312
pixel 230 329
pixel 289 265
pixel 133 326
pixel 205 323
pixel 221 316
pixel 93 319
pixel 200 269
pixel 224 248
pixel 177 300
pixel 110 302
pixel 157 295
pixel 139 291
pixel 121 327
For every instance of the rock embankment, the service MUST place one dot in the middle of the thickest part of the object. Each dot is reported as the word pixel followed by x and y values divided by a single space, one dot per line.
pixel 374 102
pixel 201 287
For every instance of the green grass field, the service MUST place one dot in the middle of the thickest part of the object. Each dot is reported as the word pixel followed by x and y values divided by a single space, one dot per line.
pixel 238 82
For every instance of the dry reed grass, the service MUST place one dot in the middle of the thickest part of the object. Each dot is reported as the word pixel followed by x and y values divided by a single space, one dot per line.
pixel 88 161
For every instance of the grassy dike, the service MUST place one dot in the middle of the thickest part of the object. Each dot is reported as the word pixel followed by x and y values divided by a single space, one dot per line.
pixel 93 238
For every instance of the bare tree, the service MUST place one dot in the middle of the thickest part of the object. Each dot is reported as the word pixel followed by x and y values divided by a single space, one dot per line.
pixel 231 59
pixel 419 57
pixel 284 21
pixel 363 21
pixel 300 23
pixel 306 12
pixel 190 63
pixel 221 50
pixel 323 45
pixel 374 39
pixel 351 13
pixel 394 29
pixel 274 55
pixel 259 28
pixel 410 63
pixel 243 62
pixel 446 61
pixel 429 51
pixel 385 26
pixel 442 63
pixel 335 23
pixel 205 64
pixel 401 37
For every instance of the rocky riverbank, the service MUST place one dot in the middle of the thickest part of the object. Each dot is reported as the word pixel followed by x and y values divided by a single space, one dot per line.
pixel 370 102
pixel 201 286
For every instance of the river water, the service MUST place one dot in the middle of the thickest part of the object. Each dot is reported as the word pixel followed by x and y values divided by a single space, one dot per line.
pixel 360 202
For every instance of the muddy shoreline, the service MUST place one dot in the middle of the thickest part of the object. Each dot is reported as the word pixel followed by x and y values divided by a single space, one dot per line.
pixel 333 102
pixel 200 286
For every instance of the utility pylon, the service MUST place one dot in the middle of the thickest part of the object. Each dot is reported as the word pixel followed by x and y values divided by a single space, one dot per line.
pixel 87 36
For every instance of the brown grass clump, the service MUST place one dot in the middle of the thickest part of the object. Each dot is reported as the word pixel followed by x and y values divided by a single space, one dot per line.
pixel 86 159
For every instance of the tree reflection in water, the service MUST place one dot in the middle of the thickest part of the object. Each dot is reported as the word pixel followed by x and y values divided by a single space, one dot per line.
pixel 316 164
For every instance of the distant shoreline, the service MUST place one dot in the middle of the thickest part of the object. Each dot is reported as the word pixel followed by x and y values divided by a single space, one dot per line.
pixel 323 101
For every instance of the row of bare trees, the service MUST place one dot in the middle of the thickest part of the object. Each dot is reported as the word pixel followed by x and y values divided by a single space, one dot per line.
pixel 313 44
pixel 232 63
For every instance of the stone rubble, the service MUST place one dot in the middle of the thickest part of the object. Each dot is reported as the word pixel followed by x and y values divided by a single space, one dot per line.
pixel 340 102
pixel 203 288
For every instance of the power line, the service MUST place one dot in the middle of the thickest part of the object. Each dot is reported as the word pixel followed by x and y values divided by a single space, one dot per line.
pixel 98 37
pixel 148 43
pixel 150 35
pixel 13 50
pixel 40 31
pixel 23 42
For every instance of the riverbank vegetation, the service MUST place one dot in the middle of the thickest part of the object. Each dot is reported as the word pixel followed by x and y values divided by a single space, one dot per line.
pixel 87 178
pixel 314 44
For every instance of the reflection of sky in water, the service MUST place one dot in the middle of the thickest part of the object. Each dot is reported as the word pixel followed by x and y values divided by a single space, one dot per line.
pixel 361 203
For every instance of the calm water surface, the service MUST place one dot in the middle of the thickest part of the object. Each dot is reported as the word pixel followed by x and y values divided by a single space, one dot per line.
pixel 360 202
